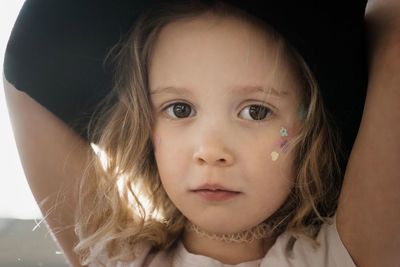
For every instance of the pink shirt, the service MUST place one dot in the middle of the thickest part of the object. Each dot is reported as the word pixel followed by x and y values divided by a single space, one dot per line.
pixel 330 253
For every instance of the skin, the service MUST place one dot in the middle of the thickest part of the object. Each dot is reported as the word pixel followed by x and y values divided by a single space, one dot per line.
pixel 368 214
pixel 219 142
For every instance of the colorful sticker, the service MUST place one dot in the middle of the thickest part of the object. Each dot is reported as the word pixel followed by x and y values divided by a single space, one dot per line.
pixel 274 155
pixel 283 131
pixel 284 144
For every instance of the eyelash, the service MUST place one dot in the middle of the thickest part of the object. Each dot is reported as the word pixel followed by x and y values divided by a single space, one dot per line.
pixel 266 108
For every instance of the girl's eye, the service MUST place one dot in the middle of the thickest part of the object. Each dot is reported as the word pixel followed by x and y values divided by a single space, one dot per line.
pixel 255 112
pixel 178 110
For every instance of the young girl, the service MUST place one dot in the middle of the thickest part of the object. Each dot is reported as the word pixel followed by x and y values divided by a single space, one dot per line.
pixel 224 133
pixel 218 153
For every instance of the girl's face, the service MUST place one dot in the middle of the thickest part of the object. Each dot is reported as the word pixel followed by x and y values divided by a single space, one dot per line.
pixel 214 125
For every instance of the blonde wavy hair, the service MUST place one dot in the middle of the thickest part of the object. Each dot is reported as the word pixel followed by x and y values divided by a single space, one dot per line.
pixel 112 219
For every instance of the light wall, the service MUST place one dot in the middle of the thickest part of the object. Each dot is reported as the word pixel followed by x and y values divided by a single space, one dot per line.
pixel 16 200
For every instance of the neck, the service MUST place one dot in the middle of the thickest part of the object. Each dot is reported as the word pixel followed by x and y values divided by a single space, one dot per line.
pixel 198 242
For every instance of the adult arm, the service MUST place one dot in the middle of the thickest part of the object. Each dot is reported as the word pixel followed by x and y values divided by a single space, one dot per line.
pixel 368 215
pixel 53 157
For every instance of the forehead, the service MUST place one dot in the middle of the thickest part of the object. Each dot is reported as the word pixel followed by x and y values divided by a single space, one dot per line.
pixel 217 52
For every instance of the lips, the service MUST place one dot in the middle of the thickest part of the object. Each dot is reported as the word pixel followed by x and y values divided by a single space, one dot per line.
pixel 214 187
pixel 215 192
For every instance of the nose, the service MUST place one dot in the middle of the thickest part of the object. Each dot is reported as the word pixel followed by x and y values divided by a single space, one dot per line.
pixel 213 155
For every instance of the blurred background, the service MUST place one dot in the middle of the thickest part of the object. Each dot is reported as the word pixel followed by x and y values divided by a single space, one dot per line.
pixel 25 240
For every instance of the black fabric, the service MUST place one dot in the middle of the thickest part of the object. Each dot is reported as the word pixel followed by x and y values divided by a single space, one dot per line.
pixel 57 48
pixel 56 52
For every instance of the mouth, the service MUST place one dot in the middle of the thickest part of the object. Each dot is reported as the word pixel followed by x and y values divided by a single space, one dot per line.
pixel 215 192
pixel 214 188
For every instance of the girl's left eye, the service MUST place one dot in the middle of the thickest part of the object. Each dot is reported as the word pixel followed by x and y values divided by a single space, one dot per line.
pixel 255 112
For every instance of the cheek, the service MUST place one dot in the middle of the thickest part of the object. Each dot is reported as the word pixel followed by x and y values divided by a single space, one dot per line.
pixel 282 144
pixel 271 160
pixel 169 158
pixel 273 164
pixel 274 178
pixel 269 181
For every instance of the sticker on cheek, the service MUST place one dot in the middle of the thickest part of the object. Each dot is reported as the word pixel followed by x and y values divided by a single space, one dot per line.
pixel 274 155
pixel 284 145
pixel 284 132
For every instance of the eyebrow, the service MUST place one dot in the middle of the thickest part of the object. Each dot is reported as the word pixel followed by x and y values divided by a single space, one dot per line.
pixel 236 89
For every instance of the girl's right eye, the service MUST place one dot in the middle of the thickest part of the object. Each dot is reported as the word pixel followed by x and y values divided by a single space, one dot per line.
pixel 178 110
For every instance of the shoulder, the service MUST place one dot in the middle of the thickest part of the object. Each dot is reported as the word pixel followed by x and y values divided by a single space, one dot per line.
pixel 330 253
